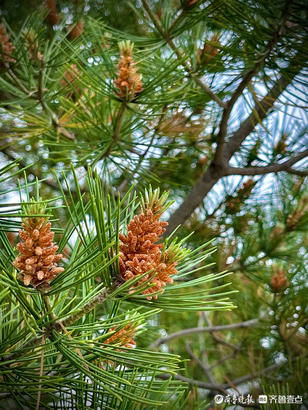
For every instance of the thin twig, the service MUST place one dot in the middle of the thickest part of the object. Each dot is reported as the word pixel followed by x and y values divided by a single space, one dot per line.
pixel 180 56
pixel 273 168
pixel 199 383
pixel 236 382
pixel 142 157
pixel 210 329
pixel 223 342
pixel 41 374
pixel 219 154
pixel 116 134
pixel 88 307
pixel 230 383
pixel 203 366
pixel 225 358
pixel 18 82
pixel 216 338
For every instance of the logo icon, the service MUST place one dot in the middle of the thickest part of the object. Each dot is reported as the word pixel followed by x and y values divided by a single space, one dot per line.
pixel 262 398
pixel 219 399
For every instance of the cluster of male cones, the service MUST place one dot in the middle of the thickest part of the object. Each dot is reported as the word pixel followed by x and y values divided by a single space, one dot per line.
pixel 140 252
pixel 279 281
pixel 37 259
pixel 140 255
pixel 209 51
pixel 122 337
pixel 128 82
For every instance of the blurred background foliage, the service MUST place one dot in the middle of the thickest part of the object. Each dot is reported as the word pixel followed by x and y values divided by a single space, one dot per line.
pixel 53 114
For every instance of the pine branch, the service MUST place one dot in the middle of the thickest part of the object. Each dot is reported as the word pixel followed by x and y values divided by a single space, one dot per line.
pixel 59 325
pixel 297 172
pixel 219 387
pixel 31 170
pixel 273 168
pixel 40 96
pixel 199 383
pixel 223 129
pixel 143 156
pixel 248 377
pixel 116 133
pixel 180 56
pixel 208 329
pixel 87 308
pixel 216 171
pixel 203 366
pixel 194 198
pixel 225 358
pixel 261 109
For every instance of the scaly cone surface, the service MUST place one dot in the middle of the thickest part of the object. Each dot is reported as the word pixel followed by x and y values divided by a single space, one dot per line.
pixel 141 254
pixel 37 259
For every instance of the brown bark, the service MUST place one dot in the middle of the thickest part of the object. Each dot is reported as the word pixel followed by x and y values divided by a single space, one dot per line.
pixel 216 171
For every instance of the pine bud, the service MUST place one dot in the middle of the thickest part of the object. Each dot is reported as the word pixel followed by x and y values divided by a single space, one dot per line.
pixel 294 218
pixel 37 259
pixel 75 30
pixel 71 74
pixel 11 237
pixel 246 188
pixel 277 232
pixel 123 337
pixel 234 203
pixel 128 82
pixel 6 47
pixel 53 17
pixel 190 3
pixel 281 146
pixel 279 281
pixel 32 45
pixel 203 161
pixel 209 51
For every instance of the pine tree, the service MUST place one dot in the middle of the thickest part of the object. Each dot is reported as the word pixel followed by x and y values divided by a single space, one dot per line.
pixel 104 287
